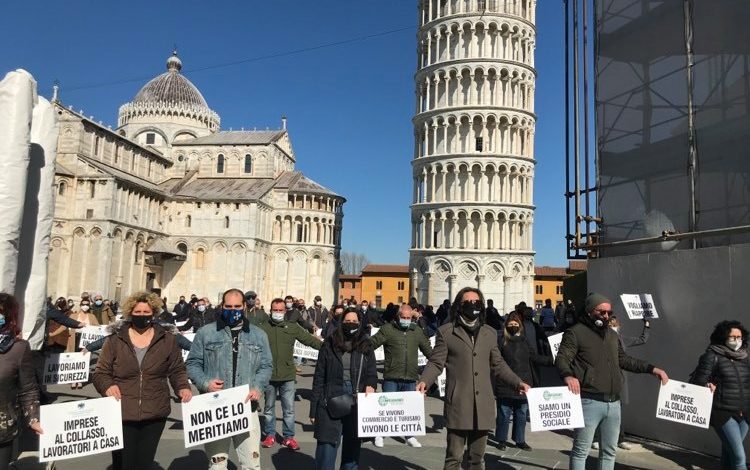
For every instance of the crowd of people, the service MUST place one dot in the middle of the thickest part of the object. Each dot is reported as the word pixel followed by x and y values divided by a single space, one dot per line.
pixel 491 360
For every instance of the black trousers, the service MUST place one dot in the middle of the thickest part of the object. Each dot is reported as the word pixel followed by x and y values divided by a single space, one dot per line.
pixel 6 453
pixel 140 440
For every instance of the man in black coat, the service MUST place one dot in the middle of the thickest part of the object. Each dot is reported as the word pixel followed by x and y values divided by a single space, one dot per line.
pixel 181 310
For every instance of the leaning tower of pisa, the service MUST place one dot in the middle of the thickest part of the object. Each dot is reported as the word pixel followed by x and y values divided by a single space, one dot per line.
pixel 472 210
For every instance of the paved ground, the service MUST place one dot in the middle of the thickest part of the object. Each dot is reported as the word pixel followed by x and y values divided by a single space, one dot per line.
pixel 550 449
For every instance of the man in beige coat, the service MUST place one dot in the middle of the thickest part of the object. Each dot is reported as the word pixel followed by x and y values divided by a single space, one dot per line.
pixel 467 349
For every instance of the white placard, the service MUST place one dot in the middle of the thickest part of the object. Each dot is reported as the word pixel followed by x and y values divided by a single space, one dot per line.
pixel 685 403
pixel 390 414
pixel 639 306
pixel 304 352
pixel 89 334
pixel 66 368
pixel 191 337
pixel 442 378
pixel 216 415
pixel 554 344
pixel 380 352
pixel 180 324
pixel 421 359
pixel 77 428
pixel 554 408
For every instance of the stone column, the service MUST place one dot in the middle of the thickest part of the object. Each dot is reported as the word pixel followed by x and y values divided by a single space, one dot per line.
pixel 451 281
pixel 414 283
pixel 480 281
pixel 507 306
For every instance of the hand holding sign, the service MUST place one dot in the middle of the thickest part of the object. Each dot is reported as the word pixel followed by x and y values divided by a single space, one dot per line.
pixel 215 385
pixel 114 392
pixel 185 395
pixel 663 377
pixel 253 395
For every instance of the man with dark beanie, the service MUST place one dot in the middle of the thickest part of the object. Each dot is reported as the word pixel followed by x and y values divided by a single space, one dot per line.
pixel 589 361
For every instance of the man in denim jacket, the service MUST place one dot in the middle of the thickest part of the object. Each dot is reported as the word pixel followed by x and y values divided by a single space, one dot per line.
pixel 229 353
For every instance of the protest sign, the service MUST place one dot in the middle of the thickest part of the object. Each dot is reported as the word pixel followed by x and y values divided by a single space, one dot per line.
pixel 180 324
pixel 390 414
pixel 554 408
pixel 554 344
pixel 66 368
pixel 639 306
pixel 89 334
pixel 380 352
pixel 216 415
pixel 421 359
pixel 442 378
pixel 191 337
pixel 685 403
pixel 304 352
pixel 77 428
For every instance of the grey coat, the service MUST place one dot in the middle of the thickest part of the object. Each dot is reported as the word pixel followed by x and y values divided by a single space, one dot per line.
pixel 470 366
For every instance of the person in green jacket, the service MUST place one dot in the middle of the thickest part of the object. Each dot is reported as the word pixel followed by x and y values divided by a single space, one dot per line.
pixel 281 336
pixel 401 339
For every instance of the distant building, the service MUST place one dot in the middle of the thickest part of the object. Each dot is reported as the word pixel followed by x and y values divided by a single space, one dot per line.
pixel 350 287
pixel 385 283
pixel 548 282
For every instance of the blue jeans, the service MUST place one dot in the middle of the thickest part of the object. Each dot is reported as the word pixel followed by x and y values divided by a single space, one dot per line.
pixel 285 391
pixel 732 433
pixel 505 408
pixel 605 417
pixel 325 452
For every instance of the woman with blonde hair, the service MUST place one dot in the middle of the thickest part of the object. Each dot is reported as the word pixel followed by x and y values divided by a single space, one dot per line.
pixel 134 366
pixel 84 316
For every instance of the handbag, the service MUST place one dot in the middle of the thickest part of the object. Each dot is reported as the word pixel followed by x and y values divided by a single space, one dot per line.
pixel 342 405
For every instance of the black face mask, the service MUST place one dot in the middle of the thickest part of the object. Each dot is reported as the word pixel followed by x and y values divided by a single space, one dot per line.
pixel 471 310
pixel 350 329
pixel 513 330
pixel 141 322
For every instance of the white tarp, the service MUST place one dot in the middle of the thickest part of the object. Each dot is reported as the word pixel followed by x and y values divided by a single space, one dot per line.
pixel 17 98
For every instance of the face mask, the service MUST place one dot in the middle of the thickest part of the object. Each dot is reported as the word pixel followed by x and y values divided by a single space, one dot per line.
pixel 231 317
pixel 350 329
pixel 2 320
pixel 182 301
pixel 288 305
pixel 98 303
pixel 733 344
pixel 277 316
pixel 201 308
pixel 318 303
pixel 141 322
pixel 364 308
pixel 404 323
pixel 470 310
pixel 85 308
pixel 513 330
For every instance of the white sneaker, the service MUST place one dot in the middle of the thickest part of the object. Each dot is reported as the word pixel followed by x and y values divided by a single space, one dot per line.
pixel 413 442
pixel 625 445
pixel 595 446
pixel 379 442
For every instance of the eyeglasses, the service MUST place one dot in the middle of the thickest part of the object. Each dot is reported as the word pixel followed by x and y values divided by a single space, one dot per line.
pixel 738 338
pixel 604 312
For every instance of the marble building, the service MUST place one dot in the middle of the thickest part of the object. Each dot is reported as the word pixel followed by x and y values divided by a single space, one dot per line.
pixel 473 167
pixel 168 201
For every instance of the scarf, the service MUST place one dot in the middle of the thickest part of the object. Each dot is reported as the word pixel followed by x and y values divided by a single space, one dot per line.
pixel 6 342
pixel 471 326
pixel 723 350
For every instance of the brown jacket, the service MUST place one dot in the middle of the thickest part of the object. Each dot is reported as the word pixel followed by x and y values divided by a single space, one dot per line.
pixel 470 365
pixel 89 319
pixel 145 394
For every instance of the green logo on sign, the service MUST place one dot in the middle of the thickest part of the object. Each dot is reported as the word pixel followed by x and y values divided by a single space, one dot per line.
pixel 385 401
pixel 547 395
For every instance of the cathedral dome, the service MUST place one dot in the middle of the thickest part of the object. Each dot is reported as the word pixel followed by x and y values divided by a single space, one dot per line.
pixel 169 96
pixel 171 87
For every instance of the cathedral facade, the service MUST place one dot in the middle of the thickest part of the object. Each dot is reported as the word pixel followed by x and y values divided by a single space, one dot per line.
pixel 169 202
pixel 472 211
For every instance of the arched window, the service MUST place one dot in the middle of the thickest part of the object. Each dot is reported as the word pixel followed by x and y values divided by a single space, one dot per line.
pixel 188 221
pixel 226 222
pixel 61 189
pixel 248 164
pixel 138 252
pixel 200 258
pixel 220 164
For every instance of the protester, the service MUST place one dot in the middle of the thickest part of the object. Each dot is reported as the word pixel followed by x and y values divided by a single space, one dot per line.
pixel 401 341
pixel 229 353
pixel 493 316
pixel 182 342
pixel 532 331
pixel 590 360
pixel 181 310
pixel 337 313
pixel 444 311
pixel 547 317
pixel 85 317
pixel 318 314
pixel 467 349
pixel 281 338
pixel 521 357
pixel 345 367
pixel 18 387
pixel 369 315
pixel 199 317
pixel 625 342
pixel 134 366
pixel 102 312
pixel 254 313
pixel 725 368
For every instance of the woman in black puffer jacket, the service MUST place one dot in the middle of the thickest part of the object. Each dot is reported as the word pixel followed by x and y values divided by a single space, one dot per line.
pixel 519 355
pixel 725 368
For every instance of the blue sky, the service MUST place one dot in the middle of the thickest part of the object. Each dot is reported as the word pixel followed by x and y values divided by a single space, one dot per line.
pixel 349 106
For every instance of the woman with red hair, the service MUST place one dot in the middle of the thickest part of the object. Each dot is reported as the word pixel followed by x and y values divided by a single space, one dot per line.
pixel 17 382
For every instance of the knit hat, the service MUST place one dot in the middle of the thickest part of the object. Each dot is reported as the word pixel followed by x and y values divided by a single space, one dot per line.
pixel 594 299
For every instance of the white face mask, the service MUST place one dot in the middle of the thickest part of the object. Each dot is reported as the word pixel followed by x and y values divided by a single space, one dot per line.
pixel 201 308
pixel 277 317
pixel 288 305
pixel 733 344
pixel 318 303
pixel 364 308
pixel 85 308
